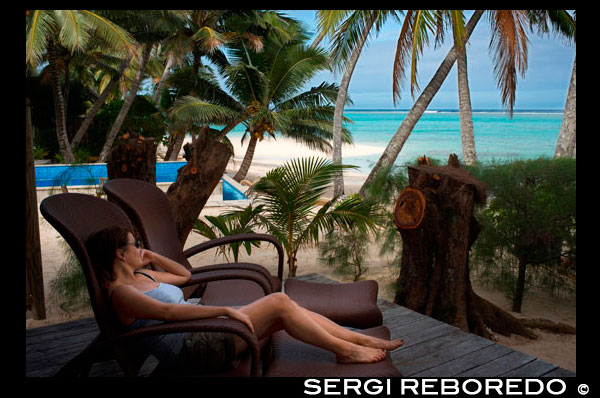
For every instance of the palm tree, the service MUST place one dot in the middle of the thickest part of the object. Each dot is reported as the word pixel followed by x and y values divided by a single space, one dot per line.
pixel 100 100
pixel 73 29
pixel 562 23
pixel 464 95
pixel 302 115
pixel 509 42
pixel 348 42
pixel 289 195
pixel 267 98
pixel 207 32
pixel 149 28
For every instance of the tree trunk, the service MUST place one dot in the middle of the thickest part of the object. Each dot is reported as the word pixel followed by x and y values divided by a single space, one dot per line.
pixel 520 290
pixel 59 107
pixel 162 80
pixel 565 146
pixel 434 215
pixel 175 142
pixel 134 157
pixel 292 264
pixel 318 39
pixel 34 281
pixel 338 182
pixel 196 181
pixel 466 115
pixel 116 127
pixel 389 155
pixel 89 117
pixel 243 171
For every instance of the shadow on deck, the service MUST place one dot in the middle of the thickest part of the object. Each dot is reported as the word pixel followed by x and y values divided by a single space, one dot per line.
pixel 432 349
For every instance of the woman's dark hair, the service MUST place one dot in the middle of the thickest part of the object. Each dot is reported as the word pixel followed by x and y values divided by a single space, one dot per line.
pixel 101 247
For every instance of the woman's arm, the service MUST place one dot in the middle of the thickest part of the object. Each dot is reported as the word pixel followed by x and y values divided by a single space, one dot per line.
pixel 131 304
pixel 175 273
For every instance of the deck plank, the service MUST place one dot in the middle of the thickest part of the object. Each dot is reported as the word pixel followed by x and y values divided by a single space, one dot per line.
pixel 432 348
pixel 499 366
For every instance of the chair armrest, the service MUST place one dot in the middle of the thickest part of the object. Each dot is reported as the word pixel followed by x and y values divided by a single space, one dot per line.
pixel 225 325
pixel 259 269
pixel 218 275
pixel 225 240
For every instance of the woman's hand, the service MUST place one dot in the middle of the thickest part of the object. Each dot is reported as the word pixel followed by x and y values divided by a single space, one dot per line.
pixel 147 257
pixel 240 316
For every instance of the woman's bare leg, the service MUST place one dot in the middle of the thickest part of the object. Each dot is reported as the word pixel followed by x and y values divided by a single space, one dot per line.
pixel 276 311
pixel 353 337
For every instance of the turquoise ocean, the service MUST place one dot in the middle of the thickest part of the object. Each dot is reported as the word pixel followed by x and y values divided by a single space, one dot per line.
pixel 528 134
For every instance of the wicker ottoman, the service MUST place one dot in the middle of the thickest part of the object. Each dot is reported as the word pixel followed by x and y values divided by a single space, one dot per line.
pixel 347 304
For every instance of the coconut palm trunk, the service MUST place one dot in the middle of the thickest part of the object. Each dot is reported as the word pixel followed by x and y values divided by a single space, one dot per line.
pixel 163 79
pixel 89 117
pixel 175 144
pixel 389 155
pixel 243 171
pixel 126 105
pixel 338 184
pixel 565 146
pixel 466 114
pixel 59 107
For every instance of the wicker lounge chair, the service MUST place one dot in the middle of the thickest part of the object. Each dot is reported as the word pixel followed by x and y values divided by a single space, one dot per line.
pixel 150 212
pixel 349 304
pixel 76 217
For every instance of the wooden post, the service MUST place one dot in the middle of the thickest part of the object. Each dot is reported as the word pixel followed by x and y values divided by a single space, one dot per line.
pixel 34 280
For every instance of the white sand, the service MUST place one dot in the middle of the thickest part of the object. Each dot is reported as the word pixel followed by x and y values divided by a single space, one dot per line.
pixel 554 348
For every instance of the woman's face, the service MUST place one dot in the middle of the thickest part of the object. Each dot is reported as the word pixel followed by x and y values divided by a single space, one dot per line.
pixel 132 252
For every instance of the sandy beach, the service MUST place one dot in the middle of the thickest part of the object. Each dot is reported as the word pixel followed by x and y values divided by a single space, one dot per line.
pixel 555 348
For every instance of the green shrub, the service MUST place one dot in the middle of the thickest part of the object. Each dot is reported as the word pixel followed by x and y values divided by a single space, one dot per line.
pixel 530 221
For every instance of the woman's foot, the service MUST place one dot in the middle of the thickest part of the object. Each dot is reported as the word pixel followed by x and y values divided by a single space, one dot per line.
pixel 374 342
pixel 361 354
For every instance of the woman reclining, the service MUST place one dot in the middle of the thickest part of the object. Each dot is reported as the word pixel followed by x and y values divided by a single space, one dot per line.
pixel 140 297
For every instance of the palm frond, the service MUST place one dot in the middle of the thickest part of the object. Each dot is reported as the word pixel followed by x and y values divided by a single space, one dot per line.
pixel 74 29
pixel 329 20
pixel 188 110
pixel 245 82
pixel 321 95
pixel 112 33
pixel 293 67
pixel 414 36
pixel 209 38
pixel 509 43
pixel 40 27
pixel 351 213
pixel 457 18
pixel 558 21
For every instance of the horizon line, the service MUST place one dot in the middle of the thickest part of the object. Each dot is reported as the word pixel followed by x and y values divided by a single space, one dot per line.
pixel 457 110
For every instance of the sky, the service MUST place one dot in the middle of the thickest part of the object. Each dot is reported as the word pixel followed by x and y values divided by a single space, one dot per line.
pixel 544 86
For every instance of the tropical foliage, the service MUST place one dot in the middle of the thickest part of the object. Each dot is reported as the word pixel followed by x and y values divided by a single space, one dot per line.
pixel 289 196
pixel 529 225
pixel 265 93
pixel 231 223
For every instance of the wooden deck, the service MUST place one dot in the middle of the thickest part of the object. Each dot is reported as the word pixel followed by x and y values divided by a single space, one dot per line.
pixel 432 349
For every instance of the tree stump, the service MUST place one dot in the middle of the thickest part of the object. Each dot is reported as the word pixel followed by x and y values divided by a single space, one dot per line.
pixel 434 215
pixel 197 180
pixel 134 157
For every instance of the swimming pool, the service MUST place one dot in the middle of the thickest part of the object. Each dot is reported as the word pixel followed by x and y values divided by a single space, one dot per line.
pixel 89 173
